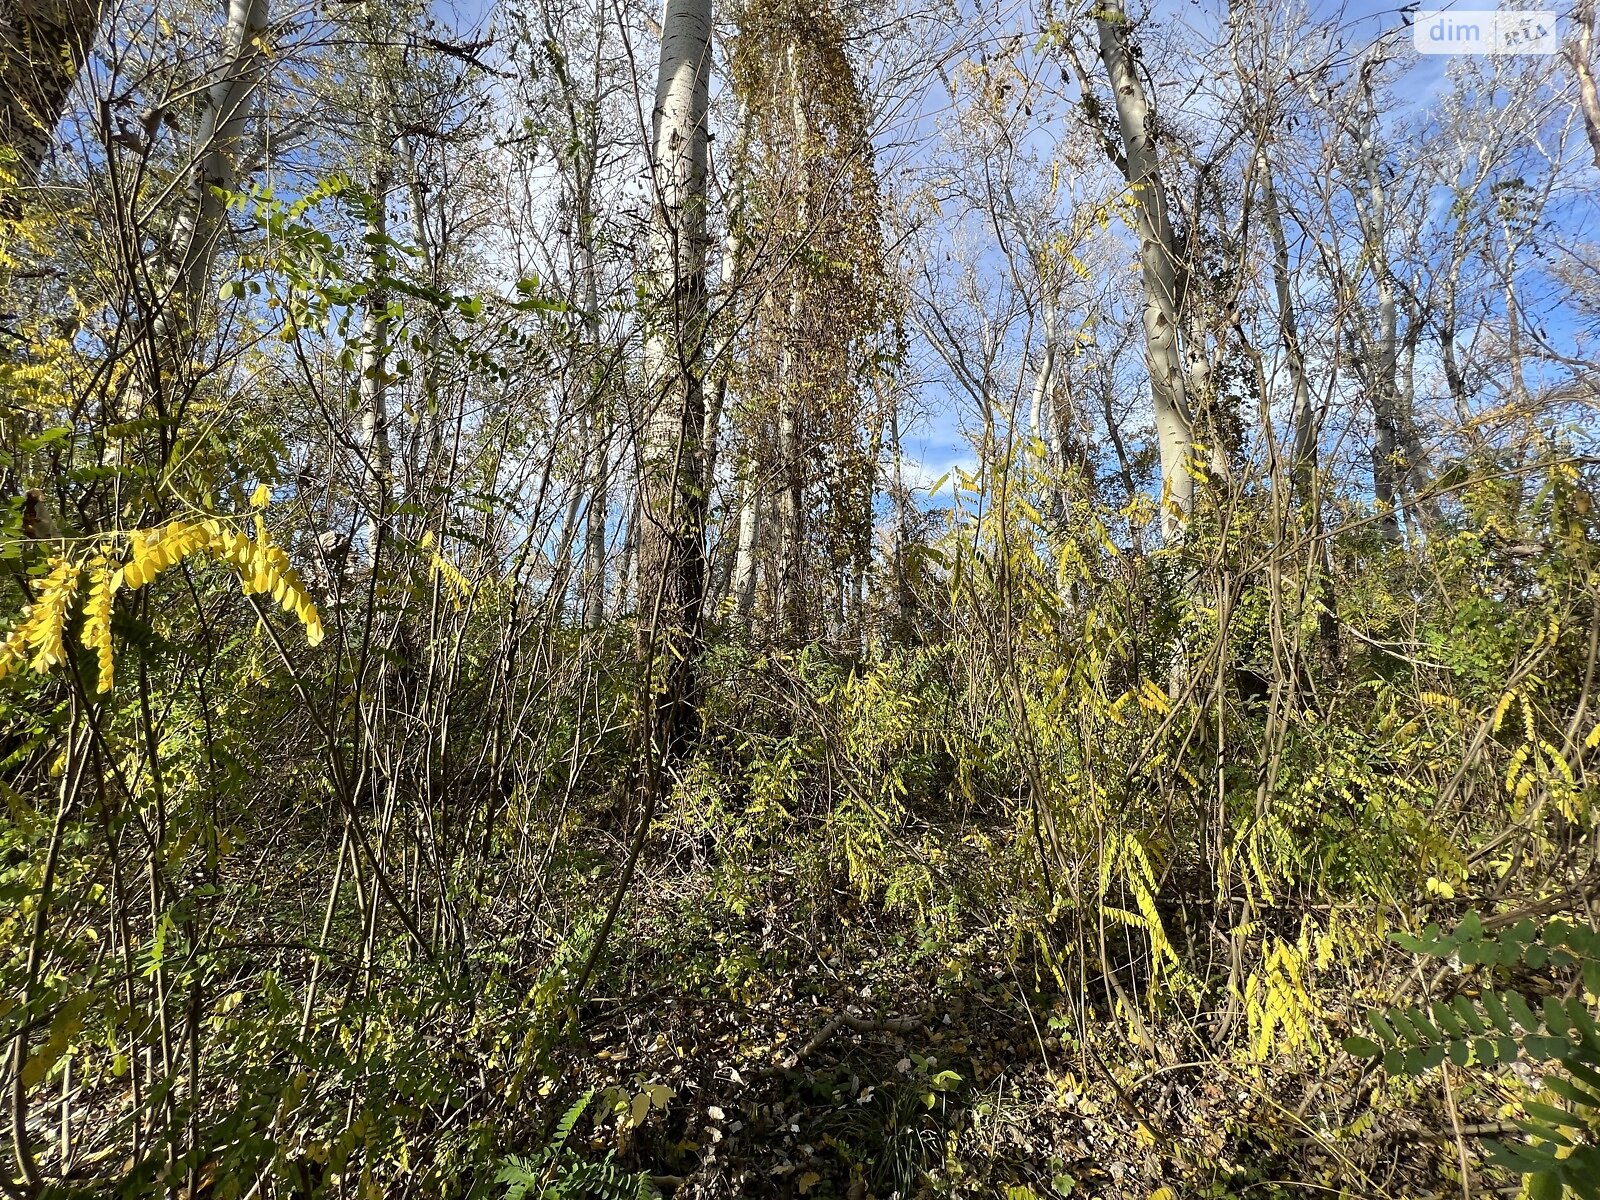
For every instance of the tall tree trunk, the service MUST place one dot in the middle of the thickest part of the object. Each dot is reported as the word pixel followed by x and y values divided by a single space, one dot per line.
pixel 1046 427
pixel 184 267
pixel 584 127
pixel 229 104
pixel 1303 417
pixel 1158 263
pixel 791 610
pixel 594 547
pixel 43 44
pixel 733 261
pixel 733 254
pixel 671 555
pixel 744 563
pixel 671 513
pixel 374 384
pixel 1396 450
pixel 1304 420
pixel 1580 53
pixel 903 601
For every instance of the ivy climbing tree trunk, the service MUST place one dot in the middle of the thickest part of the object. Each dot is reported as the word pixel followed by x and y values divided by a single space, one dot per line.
pixel 43 44
pixel 374 355
pixel 792 607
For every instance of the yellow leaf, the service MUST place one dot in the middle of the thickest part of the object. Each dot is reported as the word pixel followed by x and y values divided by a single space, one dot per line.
pixel 261 497
pixel 103 586
pixel 807 1181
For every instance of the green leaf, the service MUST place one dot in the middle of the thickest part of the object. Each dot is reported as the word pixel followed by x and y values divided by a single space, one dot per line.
pixel 1400 1019
pixel 1360 1047
pixel 1385 1033
pixel 1496 1011
pixel 1585 1073
pixel 1408 943
pixel 1552 1114
pixel 1468 1013
pixel 1583 1021
pixel 1426 1030
pixel 1444 1016
pixel 40 440
pixel 1571 1092
pixel 1543 1048
pixel 1544 1132
pixel 1520 1009
pixel 1555 1016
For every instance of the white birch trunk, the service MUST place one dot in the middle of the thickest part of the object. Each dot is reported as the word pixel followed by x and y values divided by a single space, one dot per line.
pixel 744 563
pixel 223 123
pixel 1580 53
pixel 1174 426
pixel 670 553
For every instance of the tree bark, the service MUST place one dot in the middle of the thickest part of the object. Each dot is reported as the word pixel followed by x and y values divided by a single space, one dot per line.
pixel 1158 263
pixel 229 104
pixel 672 494
pixel 1581 55
pixel 43 44
pixel 1397 449
pixel 791 608
pixel 744 566
pixel 374 384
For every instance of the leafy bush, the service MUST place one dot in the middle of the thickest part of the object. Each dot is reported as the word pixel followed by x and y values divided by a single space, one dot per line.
pixel 1498 1028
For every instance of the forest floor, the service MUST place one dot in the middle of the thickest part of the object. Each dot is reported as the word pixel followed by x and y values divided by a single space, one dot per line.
pixel 844 1057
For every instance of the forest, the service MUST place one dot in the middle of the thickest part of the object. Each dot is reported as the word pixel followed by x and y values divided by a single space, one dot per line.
pixel 877 600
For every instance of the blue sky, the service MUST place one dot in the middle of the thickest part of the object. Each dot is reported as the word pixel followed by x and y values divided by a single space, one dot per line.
pixel 936 443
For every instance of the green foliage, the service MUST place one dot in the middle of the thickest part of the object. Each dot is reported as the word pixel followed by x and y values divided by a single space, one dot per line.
pixel 557 1173
pixel 1497 1028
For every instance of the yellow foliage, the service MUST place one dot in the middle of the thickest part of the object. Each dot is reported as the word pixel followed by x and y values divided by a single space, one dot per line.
pixel 263 568
pixel 155 550
pixel 104 580
pixel 442 568
pixel 1277 1003
pixel 37 637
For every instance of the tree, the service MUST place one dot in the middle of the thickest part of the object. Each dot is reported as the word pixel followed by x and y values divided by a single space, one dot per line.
pixel 672 492
pixel 43 44
pixel 1164 317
